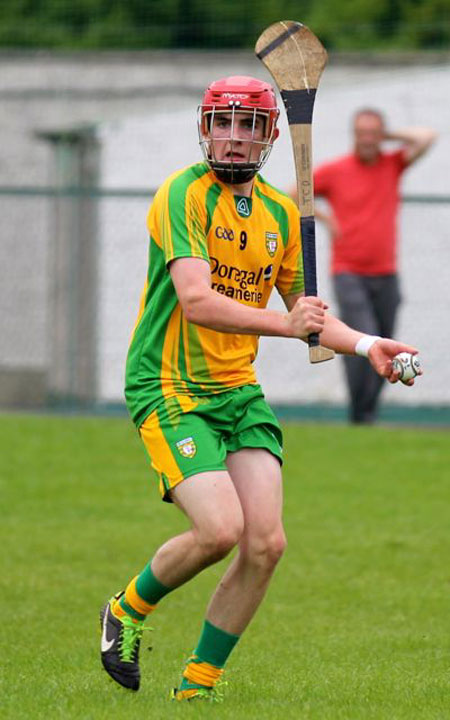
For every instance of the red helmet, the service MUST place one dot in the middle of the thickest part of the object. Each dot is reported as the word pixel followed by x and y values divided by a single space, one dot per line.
pixel 238 94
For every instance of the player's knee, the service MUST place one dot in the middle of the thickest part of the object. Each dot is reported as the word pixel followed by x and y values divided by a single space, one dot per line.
pixel 265 552
pixel 219 539
pixel 275 548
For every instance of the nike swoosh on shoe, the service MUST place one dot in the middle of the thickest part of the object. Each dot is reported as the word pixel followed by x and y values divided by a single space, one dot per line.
pixel 106 644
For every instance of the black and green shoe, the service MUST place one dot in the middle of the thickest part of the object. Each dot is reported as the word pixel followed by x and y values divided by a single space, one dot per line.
pixel 121 639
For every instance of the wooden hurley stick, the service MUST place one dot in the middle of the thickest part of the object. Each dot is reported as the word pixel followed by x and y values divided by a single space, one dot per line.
pixel 296 59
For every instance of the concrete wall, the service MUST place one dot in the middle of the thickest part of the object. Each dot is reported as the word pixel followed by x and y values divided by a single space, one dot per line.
pixel 144 108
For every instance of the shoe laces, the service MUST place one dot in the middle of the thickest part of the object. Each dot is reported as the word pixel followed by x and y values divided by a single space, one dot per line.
pixel 130 638
pixel 215 694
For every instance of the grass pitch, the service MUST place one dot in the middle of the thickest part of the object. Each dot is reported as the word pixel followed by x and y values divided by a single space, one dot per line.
pixel 356 622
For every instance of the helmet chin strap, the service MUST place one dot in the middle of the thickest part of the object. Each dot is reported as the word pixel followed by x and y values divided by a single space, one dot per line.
pixel 234 174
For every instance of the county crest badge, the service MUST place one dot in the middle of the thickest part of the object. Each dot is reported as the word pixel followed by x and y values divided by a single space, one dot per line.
pixel 187 447
pixel 271 243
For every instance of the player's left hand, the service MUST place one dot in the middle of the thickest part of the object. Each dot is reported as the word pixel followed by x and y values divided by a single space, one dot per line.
pixel 381 355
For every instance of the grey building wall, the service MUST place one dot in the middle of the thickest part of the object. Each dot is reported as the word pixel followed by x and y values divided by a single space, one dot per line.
pixel 143 107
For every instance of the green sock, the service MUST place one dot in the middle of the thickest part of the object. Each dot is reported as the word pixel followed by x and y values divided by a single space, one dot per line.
pixel 214 647
pixel 148 588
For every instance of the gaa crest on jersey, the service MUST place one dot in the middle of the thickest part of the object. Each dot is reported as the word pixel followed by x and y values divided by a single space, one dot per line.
pixel 271 243
pixel 187 447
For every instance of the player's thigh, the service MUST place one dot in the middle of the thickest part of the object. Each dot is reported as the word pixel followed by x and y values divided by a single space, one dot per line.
pixel 180 444
pixel 355 304
pixel 212 504
pixel 256 475
pixel 255 455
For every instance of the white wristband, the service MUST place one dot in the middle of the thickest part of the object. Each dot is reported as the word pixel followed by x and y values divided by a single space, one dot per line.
pixel 364 344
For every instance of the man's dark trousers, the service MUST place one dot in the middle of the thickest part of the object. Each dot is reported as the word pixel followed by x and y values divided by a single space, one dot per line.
pixel 368 303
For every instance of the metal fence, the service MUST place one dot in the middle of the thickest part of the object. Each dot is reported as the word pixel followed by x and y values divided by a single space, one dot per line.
pixel 73 265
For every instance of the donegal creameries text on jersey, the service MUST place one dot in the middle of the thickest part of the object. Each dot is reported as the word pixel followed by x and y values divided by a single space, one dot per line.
pixel 251 245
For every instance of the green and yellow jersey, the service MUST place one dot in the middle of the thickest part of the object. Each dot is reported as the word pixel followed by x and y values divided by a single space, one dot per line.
pixel 251 244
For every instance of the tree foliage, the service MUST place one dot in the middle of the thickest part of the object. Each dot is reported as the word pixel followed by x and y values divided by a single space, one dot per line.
pixel 215 24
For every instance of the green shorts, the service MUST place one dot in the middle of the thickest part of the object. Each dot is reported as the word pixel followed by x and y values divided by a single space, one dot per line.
pixel 188 435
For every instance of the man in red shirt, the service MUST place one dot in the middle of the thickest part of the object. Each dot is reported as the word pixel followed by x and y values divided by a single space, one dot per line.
pixel 362 191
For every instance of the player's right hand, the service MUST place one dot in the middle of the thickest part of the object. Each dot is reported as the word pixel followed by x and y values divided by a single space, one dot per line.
pixel 307 316
pixel 383 352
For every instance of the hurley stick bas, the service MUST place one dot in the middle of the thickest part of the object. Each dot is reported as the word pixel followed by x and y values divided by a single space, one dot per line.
pixel 296 58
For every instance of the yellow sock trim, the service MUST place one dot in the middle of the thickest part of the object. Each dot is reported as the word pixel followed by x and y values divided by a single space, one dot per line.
pixel 185 694
pixel 135 601
pixel 202 673
pixel 117 610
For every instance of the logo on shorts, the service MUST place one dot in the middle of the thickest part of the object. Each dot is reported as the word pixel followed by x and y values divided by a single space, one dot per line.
pixel 271 243
pixel 187 447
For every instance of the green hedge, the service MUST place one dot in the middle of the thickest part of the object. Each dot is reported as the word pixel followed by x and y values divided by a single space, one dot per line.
pixel 215 24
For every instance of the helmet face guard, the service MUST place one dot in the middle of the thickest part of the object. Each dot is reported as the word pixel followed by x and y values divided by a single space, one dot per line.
pixel 232 97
